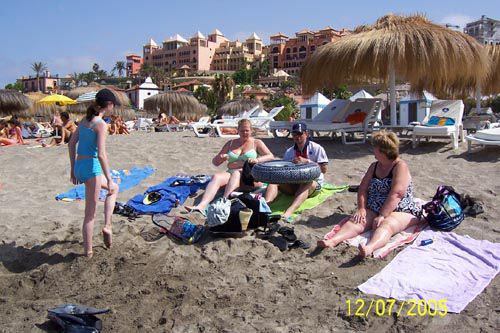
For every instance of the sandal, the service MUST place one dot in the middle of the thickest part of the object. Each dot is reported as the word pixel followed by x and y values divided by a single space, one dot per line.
pixel 288 234
pixel 299 244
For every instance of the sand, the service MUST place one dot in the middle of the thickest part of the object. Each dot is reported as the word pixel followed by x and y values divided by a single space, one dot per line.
pixel 152 284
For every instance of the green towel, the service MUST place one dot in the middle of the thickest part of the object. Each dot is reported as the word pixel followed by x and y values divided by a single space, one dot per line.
pixel 283 201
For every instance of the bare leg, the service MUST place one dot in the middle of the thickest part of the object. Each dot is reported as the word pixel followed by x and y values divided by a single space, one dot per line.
pixel 233 183
pixel 348 230
pixel 219 179
pixel 301 194
pixel 109 205
pixel 271 192
pixel 391 225
pixel 92 190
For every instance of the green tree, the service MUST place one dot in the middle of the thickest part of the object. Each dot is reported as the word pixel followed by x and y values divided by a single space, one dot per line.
pixel 38 68
pixel 207 96
pixel 222 87
pixel 290 106
pixel 263 68
pixel 15 86
pixel 119 67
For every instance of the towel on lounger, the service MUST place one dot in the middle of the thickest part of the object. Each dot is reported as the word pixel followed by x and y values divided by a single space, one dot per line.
pixel 125 179
pixel 453 268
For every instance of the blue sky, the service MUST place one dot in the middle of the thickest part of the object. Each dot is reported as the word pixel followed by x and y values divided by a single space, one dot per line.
pixel 70 35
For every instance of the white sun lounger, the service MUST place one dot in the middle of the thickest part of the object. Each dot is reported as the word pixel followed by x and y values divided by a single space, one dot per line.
pixel 453 109
pixel 486 137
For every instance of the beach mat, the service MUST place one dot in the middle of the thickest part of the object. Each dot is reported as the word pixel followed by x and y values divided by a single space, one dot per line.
pixel 404 237
pixel 453 268
pixel 125 179
pixel 283 201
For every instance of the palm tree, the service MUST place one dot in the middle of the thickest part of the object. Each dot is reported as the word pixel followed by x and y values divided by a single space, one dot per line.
pixel 120 67
pixel 222 86
pixel 38 68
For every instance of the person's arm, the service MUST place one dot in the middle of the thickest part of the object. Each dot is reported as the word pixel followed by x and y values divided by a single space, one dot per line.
pixel 101 130
pixel 19 135
pixel 360 215
pixel 221 157
pixel 72 154
pixel 400 181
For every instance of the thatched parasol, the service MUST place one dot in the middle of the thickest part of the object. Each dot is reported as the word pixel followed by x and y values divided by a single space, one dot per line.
pixel 237 106
pixel 492 84
pixel 173 103
pixel 14 103
pixel 120 96
pixel 412 48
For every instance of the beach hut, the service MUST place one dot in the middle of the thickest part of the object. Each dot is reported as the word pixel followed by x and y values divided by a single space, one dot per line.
pixel 414 107
pixel 311 107
pixel 138 94
pixel 412 48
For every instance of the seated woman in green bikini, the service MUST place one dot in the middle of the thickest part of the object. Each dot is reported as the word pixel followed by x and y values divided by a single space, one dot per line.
pixel 235 153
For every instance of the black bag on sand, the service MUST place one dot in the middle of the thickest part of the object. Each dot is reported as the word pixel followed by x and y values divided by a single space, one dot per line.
pixel 258 219
pixel 233 222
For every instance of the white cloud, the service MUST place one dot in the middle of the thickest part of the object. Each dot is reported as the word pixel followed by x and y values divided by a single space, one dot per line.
pixel 457 19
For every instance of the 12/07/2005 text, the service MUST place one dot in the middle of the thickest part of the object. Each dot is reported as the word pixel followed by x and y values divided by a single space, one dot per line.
pixel 411 308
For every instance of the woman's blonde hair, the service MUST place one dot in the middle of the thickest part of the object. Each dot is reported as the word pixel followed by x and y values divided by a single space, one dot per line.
pixel 387 142
pixel 243 122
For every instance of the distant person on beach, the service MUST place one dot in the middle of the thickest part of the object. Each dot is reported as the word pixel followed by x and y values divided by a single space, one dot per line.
pixel 91 166
pixel 66 129
pixel 303 151
pixel 13 133
pixel 385 199
pixel 235 153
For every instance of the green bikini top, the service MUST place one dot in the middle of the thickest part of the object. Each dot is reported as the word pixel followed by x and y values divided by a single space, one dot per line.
pixel 233 157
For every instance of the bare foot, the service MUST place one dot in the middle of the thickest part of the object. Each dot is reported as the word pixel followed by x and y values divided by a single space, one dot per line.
pixel 364 251
pixel 89 254
pixel 107 236
pixel 192 209
pixel 324 243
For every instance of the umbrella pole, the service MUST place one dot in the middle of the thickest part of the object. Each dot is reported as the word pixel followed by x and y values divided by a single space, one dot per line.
pixel 478 97
pixel 392 91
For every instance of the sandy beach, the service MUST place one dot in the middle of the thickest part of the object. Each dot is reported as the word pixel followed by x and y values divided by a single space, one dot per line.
pixel 152 284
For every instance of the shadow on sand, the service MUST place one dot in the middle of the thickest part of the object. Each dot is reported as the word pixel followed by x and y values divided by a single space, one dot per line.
pixel 19 259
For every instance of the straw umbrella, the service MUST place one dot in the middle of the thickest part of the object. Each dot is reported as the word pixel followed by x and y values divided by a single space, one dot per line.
pixel 14 103
pixel 178 104
pixel 491 85
pixel 237 106
pixel 412 48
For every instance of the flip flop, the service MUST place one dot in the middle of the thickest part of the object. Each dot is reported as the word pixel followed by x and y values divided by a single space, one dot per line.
pixel 288 234
pixel 107 237
pixel 279 242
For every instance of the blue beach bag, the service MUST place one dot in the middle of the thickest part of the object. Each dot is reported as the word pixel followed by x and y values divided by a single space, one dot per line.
pixel 444 211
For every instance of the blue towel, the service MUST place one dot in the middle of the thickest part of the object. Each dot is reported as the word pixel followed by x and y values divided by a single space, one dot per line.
pixel 173 191
pixel 125 179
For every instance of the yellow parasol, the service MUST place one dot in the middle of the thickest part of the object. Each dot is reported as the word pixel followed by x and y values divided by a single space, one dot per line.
pixel 56 99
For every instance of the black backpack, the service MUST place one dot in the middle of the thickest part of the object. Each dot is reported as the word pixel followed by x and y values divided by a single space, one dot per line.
pixel 444 211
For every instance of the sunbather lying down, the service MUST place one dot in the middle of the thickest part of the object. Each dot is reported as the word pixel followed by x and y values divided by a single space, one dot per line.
pixel 385 199
pixel 235 153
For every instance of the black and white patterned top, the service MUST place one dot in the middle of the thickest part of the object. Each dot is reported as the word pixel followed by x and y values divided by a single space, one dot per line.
pixel 378 191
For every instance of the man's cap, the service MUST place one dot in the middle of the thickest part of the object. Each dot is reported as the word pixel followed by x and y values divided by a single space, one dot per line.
pixel 105 95
pixel 299 128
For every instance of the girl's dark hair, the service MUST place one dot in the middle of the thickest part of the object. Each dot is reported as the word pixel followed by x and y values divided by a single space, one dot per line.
pixel 14 122
pixel 95 109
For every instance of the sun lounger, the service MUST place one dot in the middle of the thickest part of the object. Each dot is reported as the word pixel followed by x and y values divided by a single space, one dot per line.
pixel 144 124
pixel 202 127
pixel 371 107
pixel 486 137
pixel 329 113
pixel 440 110
pixel 258 122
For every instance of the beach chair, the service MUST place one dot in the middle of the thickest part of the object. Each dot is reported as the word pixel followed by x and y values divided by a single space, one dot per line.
pixel 486 137
pixel 232 123
pixel 259 123
pixel 144 124
pixel 202 128
pixel 444 120
pixel 347 123
pixel 327 115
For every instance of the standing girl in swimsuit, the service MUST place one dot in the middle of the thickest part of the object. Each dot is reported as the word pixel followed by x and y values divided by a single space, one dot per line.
pixel 91 166
pixel 235 153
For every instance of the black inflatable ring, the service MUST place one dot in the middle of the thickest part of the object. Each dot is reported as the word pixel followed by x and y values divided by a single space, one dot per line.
pixel 284 172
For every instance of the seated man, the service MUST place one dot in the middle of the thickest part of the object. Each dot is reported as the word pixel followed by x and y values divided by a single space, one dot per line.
pixel 67 128
pixel 304 151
